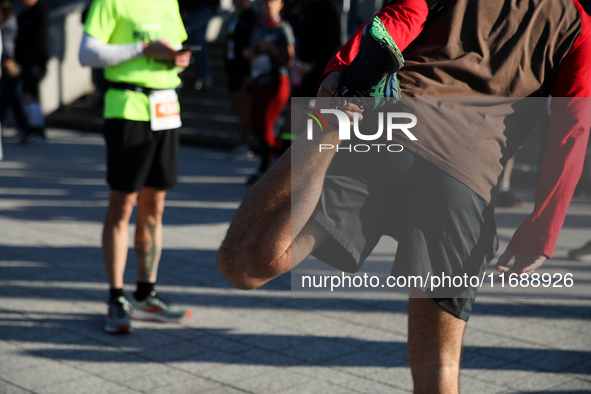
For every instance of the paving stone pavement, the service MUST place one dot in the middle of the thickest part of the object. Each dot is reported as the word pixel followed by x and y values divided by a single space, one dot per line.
pixel 53 293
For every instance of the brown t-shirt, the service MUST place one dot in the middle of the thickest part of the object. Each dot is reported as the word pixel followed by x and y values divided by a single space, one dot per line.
pixel 506 50
pixel 492 52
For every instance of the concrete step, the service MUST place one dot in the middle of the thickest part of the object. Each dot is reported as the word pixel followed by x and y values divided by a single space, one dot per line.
pixel 210 121
pixel 205 137
pixel 217 91
pixel 206 104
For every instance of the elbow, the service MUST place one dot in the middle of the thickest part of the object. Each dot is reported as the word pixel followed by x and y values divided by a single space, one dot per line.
pixel 84 57
pixel 236 267
pixel 244 269
pixel 81 59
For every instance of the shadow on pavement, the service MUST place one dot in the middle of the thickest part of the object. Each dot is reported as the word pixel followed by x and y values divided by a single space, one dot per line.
pixel 227 347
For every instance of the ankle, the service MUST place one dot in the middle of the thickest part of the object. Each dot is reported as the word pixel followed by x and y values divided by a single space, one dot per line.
pixel 437 379
pixel 115 293
pixel 144 289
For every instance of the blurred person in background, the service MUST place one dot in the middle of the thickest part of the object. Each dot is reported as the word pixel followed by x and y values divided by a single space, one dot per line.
pixel 271 54
pixel 196 15
pixel 1 51
pixel 238 71
pixel 10 93
pixel 138 43
pixel 31 54
pixel 310 20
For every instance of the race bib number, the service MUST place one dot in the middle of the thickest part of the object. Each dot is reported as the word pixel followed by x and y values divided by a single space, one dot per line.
pixel 164 110
pixel 260 65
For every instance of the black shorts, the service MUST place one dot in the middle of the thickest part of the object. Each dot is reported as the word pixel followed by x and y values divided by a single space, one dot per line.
pixel 442 226
pixel 138 156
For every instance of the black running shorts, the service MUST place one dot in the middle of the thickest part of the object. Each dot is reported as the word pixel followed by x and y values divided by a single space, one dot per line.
pixel 138 156
pixel 442 226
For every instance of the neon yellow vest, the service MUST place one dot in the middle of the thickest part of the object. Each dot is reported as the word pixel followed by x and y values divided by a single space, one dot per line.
pixel 127 22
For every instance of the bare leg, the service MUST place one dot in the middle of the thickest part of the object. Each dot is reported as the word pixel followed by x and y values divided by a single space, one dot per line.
pixel 506 179
pixel 434 346
pixel 508 169
pixel 148 234
pixel 116 235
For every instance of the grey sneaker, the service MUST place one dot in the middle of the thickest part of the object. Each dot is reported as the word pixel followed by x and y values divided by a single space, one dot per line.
pixel 154 308
pixel 581 254
pixel 117 319
pixel 32 140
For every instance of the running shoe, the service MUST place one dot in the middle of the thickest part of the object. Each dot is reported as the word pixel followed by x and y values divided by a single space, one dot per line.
pixel 154 308
pixel 581 254
pixel 373 71
pixel 32 139
pixel 117 319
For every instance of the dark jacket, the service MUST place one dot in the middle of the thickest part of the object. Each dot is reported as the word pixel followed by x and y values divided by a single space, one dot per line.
pixel 32 40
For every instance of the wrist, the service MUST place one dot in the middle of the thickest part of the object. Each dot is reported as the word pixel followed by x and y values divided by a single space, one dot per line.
pixel 138 49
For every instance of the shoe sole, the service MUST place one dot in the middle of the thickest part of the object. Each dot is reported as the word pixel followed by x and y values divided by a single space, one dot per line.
pixel 118 330
pixel 378 32
pixel 395 56
pixel 151 316
pixel 383 37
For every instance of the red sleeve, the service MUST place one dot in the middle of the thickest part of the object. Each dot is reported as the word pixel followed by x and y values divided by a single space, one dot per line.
pixel 404 21
pixel 565 149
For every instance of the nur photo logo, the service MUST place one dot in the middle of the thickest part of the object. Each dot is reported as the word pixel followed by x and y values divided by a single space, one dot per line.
pixel 392 121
